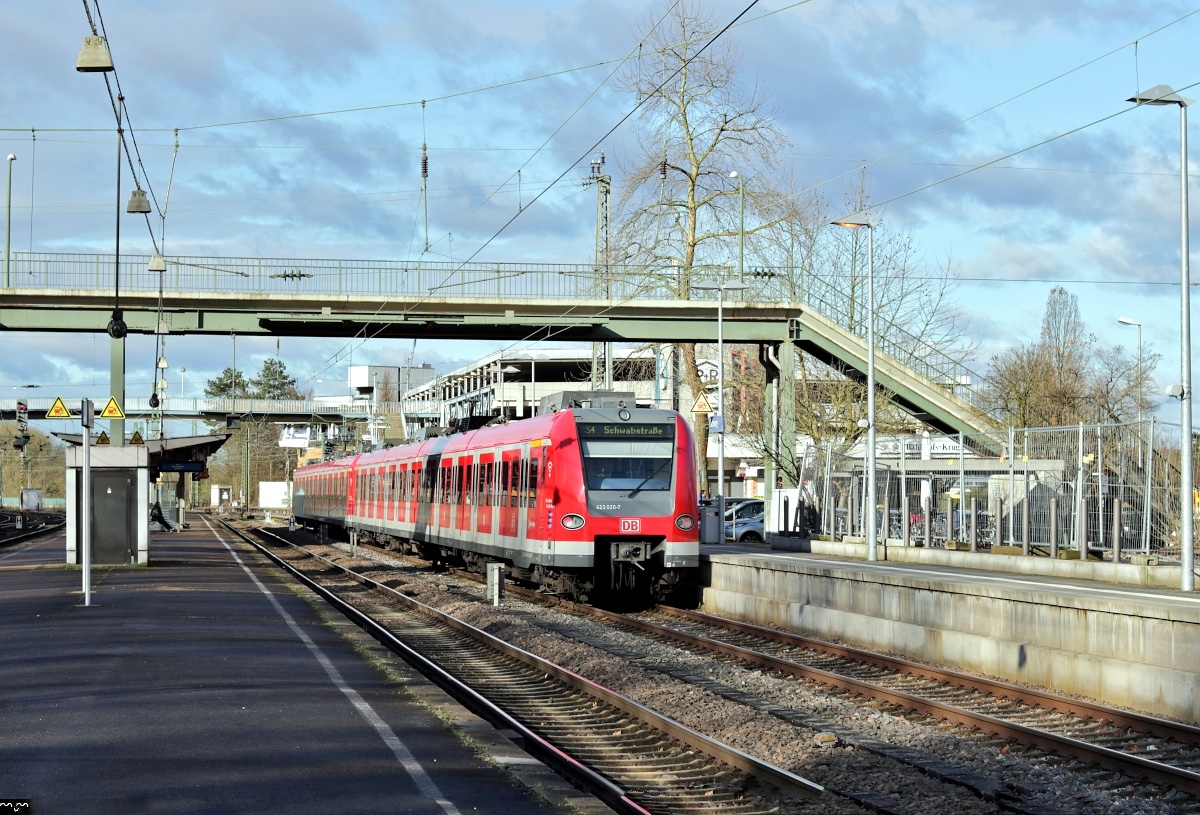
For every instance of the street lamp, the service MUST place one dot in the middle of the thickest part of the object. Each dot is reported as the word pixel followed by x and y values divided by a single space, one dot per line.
pixel 1164 95
pixel 1138 323
pixel 719 424
pixel 8 223
pixel 856 221
pixel 502 370
pixel 533 358
pixel 741 225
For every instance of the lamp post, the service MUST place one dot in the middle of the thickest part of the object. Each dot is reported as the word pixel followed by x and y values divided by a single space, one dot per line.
pixel 1138 323
pixel 719 424
pixel 8 224
pixel 95 58
pixel 741 225
pixel 1164 95
pixel 502 370
pixel 533 358
pixel 856 221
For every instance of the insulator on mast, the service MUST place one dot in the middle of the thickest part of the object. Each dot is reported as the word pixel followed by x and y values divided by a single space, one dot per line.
pixel 424 163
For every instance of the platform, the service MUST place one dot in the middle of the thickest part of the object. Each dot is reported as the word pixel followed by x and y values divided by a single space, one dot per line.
pixel 203 683
pixel 1122 643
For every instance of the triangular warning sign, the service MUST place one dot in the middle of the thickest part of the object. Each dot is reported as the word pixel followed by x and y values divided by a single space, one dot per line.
pixel 103 438
pixel 137 438
pixel 702 405
pixel 58 410
pixel 112 410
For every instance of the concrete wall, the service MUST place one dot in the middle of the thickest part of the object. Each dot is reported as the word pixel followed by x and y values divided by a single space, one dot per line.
pixel 1119 650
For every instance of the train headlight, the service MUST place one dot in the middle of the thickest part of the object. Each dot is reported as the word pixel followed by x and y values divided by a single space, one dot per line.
pixel 572 521
pixel 685 522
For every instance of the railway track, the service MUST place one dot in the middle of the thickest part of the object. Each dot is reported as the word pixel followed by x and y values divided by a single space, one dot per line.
pixel 631 757
pixel 1127 745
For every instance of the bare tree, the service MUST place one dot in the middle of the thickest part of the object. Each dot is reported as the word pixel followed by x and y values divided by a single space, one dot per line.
pixel 1064 378
pixel 679 210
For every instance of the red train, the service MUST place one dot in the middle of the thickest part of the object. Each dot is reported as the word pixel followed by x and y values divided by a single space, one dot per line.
pixel 591 503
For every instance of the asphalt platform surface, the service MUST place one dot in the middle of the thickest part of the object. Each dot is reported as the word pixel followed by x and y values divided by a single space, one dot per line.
pixel 202 683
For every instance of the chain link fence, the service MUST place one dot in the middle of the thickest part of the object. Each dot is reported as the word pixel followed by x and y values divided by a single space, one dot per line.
pixel 1108 491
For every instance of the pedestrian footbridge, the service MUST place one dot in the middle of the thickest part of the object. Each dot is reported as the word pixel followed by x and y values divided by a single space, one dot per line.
pixel 508 302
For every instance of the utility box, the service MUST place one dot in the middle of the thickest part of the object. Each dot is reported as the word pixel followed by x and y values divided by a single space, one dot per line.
pixel 120 499
pixel 712 525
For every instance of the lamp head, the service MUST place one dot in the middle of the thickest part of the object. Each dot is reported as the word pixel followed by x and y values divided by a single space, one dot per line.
pixel 1128 321
pixel 1161 95
pixel 854 221
pixel 11 157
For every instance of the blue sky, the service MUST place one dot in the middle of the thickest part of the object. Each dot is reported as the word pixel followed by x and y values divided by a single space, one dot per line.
pixel 850 83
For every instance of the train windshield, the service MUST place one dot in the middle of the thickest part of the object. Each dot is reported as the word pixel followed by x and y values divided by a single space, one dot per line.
pixel 627 457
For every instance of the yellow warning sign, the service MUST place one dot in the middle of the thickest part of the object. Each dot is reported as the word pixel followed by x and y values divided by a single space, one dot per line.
pixel 58 410
pixel 137 438
pixel 102 438
pixel 112 410
pixel 702 405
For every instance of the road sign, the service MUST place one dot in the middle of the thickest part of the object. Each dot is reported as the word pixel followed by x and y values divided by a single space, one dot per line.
pixel 22 417
pixel 702 405
pixel 112 410
pixel 58 410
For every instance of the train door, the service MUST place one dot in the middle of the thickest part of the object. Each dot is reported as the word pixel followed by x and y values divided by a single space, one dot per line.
pixel 485 479
pixel 445 492
pixel 533 492
pixel 466 481
pixel 521 527
pixel 404 499
pixel 389 493
pixel 426 480
pixel 510 463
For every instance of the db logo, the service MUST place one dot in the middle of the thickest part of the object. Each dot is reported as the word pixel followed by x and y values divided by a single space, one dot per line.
pixel 631 524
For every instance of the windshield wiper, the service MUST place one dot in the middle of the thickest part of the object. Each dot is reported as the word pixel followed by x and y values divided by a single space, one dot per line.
pixel 638 488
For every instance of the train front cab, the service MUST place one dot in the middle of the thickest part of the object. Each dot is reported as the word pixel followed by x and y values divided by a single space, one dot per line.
pixel 637 491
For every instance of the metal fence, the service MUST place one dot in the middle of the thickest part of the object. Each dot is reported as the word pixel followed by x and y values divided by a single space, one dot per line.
pixel 1111 490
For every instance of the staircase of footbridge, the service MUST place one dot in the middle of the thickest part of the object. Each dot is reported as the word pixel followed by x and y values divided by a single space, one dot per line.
pixel 508 302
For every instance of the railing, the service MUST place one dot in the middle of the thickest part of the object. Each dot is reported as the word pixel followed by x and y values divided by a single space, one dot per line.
pixel 209 406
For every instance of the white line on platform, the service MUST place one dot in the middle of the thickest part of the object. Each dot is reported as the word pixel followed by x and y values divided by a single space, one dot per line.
pixel 407 760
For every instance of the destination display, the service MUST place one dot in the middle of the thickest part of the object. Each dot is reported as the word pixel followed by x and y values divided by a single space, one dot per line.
pixel 180 466
pixel 593 430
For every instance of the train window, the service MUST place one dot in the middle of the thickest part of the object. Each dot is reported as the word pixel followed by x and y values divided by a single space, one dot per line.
pixel 627 464
pixel 490 484
pixel 468 483
pixel 428 481
pixel 505 469
pixel 533 482
pixel 523 489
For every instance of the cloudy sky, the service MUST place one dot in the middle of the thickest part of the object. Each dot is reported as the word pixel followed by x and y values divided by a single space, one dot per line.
pixel 917 92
